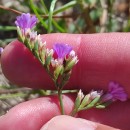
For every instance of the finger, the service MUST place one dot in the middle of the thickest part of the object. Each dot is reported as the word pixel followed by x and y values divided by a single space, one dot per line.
pixel 102 58
pixel 115 115
pixel 32 115
pixel 71 123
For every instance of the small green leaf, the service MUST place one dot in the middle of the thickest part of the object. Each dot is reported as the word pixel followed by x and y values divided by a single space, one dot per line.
pixel 42 55
pixel 93 103
pixel 36 46
pixel 100 106
pixel 48 60
pixel 27 43
pixel 77 103
pixel 70 64
pixel 20 37
pixel 58 71
pixel 85 101
pixel 36 54
pixel 35 50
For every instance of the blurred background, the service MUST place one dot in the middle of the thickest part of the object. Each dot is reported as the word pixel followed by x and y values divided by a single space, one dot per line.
pixel 64 16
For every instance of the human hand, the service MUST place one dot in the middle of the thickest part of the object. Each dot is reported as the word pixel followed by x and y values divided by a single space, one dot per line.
pixel 102 58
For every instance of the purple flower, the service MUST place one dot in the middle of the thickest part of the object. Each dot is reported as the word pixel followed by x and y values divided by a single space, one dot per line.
pixel 115 92
pixel 62 50
pixel 26 21
pixel 1 50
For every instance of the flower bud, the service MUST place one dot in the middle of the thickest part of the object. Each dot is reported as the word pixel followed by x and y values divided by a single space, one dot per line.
pixel 49 54
pixel 80 95
pixel 71 63
pixel 20 34
pixel 72 53
pixel 54 63
pixel 42 54
pixel 78 100
pixel 58 71
pixel 95 94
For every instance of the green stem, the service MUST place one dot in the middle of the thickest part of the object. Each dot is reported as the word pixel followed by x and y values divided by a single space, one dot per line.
pixel 7 96
pixel 60 29
pixel 61 101
pixel 7 28
pixel 50 15
pixel 37 14
pixel 64 7
pixel 73 113
pixel 44 6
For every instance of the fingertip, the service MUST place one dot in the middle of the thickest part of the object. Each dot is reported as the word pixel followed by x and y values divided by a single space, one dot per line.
pixel 22 68
pixel 112 115
pixel 33 114
pixel 64 122
pixel 102 58
pixel 73 40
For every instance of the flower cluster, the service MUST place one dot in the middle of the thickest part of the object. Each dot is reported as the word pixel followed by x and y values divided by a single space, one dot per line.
pixel 25 24
pixel 98 99
pixel 58 61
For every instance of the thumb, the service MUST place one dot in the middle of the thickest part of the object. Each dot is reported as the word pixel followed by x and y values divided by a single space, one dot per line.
pixel 71 123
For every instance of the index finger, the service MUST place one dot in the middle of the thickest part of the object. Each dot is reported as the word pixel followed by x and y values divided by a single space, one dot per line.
pixel 102 58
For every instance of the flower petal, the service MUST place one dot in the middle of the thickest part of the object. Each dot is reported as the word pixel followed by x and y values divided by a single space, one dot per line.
pixel 62 50
pixel 26 21
pixel 117 91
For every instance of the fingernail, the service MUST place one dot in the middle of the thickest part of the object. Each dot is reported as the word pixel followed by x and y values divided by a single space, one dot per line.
pixel 69 123
pixel 89 124
pixel 46 126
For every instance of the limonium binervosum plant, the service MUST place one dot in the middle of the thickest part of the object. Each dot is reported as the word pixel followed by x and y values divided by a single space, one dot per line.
pixel 59 62
pixel 59 67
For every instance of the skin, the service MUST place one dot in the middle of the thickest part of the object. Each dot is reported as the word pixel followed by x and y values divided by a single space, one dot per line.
pixel 102 58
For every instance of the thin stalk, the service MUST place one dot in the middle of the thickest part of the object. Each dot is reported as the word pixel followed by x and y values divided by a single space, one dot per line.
pixel 50 74
pixel 73 113
pixel 44 6
pixel 66 6
pixel 44 16
pixel 62 30
pixel 50 15
pixel 7 28
pixel 38 16
pixel 14 90
pixel 12 95
pixel 61 101
pixel 6 41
